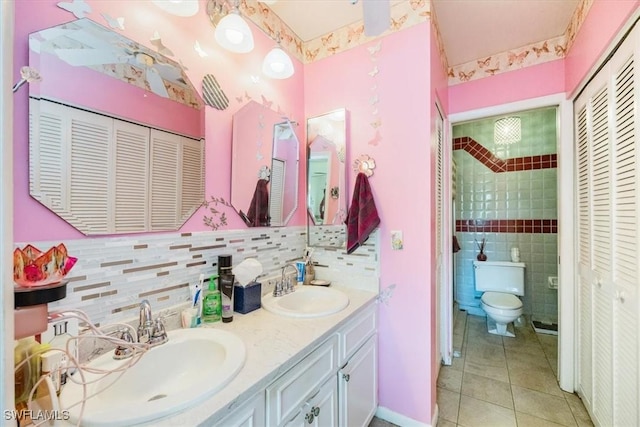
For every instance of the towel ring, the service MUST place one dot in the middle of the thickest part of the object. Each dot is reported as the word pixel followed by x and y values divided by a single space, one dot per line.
pixel 364 164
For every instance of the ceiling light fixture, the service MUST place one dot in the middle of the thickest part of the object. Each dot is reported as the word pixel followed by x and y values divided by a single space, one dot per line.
pixel 507 130
pixel 277 63
pixel 233 32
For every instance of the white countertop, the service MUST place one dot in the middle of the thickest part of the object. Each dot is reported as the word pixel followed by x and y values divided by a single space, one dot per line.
pixel 272 342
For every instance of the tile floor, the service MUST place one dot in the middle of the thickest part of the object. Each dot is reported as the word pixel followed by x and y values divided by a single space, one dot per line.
pixel 504 381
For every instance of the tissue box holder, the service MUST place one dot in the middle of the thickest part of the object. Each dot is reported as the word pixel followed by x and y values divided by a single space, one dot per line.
pixel 247 299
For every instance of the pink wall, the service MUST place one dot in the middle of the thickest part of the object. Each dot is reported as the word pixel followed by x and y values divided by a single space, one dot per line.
pixel 233 72
pixel 526 83
pixel 96 91
pixel 401 188
pixel 603 22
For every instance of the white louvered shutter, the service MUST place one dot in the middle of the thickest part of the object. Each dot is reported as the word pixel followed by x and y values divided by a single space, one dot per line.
pixel 625 238
pixel 276 191
pixel 585 299
pixel 608 258
pixel 164 180
pixel 47 133
pixel 192 180
pixel 131 171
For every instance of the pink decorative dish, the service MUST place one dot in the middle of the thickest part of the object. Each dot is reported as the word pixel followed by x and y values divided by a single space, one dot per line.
pixel 32 267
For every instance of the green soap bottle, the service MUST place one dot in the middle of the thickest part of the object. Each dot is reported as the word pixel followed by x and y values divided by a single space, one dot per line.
pixel 212 302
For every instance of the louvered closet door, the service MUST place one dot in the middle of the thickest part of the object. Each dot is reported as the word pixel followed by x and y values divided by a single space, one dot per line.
pixel 598 111
pixel 585 299
pixel 625 235
pixel 607 179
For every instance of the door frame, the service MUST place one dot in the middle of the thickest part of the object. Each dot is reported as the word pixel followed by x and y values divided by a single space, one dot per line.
pixel 566 215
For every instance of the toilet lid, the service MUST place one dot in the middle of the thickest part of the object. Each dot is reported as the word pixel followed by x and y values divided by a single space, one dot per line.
pixel 500 300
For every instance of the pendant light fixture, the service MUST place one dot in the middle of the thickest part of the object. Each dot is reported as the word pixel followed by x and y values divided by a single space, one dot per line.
pixel 277 63
pixel 233 32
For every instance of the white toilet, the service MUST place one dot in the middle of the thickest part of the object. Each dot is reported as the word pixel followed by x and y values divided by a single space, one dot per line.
pixel 500 281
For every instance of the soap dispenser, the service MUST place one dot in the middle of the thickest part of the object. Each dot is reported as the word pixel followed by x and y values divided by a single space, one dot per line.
pixel 212 303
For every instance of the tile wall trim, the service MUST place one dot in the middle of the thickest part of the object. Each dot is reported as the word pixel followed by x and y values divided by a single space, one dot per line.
pixel 497 165
pixel 535 226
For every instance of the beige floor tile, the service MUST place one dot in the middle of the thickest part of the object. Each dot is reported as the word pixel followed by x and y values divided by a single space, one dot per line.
pixel 549 343
pixel 487 389
pixel 543 405
pixel 377 422
pixel 486 354
pixel 449 378
pixel 457 363
pixel 499 373
pixel 580 413
pixel 534 378
pixel 445 423
pixel 526 420
pixel 477 413
pixel 526 358
pixel 448 404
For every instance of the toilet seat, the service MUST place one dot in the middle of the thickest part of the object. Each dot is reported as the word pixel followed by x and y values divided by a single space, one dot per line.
pixel 501 301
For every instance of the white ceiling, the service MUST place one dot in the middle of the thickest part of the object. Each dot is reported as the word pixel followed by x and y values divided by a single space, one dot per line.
pixel 470 29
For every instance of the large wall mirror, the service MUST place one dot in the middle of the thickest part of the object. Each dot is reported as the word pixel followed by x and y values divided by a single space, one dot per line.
pixel 116 132
pixel 326 178
pixel 264 166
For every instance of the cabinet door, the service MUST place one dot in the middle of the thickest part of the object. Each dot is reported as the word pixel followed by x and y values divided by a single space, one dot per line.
pixel 321 410
pixel 250 414
pixel 358 386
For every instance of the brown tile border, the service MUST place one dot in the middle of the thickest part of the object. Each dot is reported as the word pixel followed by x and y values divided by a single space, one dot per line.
pixel 536 226
pixel 497 165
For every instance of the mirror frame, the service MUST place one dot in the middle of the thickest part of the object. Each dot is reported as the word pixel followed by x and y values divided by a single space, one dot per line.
pixel 332 232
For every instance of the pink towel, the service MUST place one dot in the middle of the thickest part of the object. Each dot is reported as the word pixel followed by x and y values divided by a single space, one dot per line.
pixel 363 217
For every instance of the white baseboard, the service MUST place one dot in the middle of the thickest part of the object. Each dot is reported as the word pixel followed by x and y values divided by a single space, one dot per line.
pixel 401 420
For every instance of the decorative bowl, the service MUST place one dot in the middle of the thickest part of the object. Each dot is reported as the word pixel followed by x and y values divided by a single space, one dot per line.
pixel 32 267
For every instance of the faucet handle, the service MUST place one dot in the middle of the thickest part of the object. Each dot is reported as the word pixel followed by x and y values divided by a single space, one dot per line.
pixel 124 351
pixel 159 329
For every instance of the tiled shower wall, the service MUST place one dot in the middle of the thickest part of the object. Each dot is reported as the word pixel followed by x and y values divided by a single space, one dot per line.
pixel 113 274
pixel 507 194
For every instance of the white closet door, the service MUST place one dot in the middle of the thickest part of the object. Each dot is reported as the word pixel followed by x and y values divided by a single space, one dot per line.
pixel 608 242
pixel 625 235
pixel 601 232
pixel 585 298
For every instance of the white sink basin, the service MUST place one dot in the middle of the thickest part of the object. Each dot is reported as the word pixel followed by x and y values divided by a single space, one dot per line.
pixel 307 301
pixel 192 366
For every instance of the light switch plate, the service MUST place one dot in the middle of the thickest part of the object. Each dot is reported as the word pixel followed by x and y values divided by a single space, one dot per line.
pixel 396 240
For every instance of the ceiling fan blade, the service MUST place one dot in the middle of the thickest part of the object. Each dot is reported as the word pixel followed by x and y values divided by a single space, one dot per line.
pixel 85 57
pixel 377 15
pixel 156 84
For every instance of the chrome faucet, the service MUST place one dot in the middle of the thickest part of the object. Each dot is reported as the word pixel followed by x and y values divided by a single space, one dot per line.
pixel 285 285
pixel 150 331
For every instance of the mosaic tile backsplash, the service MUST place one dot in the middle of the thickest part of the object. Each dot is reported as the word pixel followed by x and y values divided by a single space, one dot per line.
pixel 508 207
pixel 113 274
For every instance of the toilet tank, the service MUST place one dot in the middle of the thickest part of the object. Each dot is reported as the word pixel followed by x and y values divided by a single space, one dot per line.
pixel 499 276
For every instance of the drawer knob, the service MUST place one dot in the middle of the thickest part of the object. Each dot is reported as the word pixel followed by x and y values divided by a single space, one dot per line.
pixel 315 410
pixel 309 417
pixel 346 377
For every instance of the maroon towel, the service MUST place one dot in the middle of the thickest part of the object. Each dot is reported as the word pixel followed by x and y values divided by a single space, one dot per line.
pixel 363 217
pixel 258 214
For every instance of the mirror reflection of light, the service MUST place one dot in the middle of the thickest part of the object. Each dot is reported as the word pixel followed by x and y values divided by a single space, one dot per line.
pixel 233 33
pixel 234 36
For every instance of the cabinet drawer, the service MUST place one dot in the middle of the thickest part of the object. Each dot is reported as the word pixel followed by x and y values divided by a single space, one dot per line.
pixel 287 393
pixel 356 333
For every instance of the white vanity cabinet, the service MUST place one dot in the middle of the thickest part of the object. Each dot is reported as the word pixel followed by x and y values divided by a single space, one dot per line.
pixel 358 375
pixel 249 414
pixel 300 389
pixel 335 385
